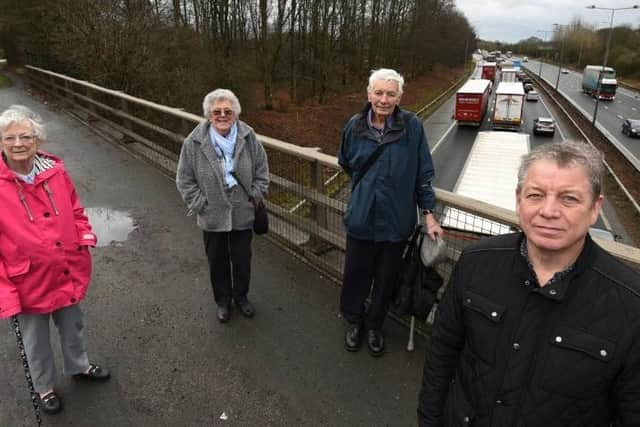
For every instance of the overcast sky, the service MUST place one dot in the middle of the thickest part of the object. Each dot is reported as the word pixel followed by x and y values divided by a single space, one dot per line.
pixel 514 20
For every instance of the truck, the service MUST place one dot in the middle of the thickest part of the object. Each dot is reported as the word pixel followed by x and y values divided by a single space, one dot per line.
pixel 517 64
pixel 489 71
pixel 508 107
pixel 471 102
pixel 608 82
pixel 489 175
pixel 508 75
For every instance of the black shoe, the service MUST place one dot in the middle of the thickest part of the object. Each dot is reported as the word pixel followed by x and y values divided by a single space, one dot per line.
pixel 50 403
pixel 96 373
pixel 375 342
pixel 246 308
pixel 353 337
pixel 223 313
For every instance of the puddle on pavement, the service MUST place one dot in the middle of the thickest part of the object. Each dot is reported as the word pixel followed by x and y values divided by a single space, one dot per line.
pixel 110 225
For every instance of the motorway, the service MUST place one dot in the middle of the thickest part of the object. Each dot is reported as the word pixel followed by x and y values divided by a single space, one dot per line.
pixel 610 113
pixel 450 145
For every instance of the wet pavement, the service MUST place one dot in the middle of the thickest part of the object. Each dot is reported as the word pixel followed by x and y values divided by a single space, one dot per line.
pixel 151 318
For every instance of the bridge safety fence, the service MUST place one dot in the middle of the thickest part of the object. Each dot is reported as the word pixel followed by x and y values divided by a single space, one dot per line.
pixel 308 193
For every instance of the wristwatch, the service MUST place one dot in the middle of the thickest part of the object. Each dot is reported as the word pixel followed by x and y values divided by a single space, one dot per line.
pixel 427 211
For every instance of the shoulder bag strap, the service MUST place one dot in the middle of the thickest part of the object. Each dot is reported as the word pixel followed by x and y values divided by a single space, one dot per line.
pixel 369 162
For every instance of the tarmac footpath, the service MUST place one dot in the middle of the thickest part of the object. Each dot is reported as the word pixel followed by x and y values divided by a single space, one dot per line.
pixel 150 317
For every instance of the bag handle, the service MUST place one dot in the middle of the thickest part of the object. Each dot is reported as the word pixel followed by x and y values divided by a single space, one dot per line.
pixel 233 174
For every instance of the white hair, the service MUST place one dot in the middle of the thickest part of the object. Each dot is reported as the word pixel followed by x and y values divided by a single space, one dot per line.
pixel 21 114
pixel 220 95
pixel 386 74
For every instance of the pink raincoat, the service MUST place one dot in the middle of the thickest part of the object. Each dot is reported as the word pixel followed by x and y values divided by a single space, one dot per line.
pixel 45 262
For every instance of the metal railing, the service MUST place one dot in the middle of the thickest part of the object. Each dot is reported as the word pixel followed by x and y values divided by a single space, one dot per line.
pixel 313 229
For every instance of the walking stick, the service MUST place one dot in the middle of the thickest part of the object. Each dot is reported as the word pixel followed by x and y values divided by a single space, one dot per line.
pixel 411 333
pixel 25 364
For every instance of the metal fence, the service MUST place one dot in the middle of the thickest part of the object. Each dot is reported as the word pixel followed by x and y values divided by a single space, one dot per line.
pixel 308 193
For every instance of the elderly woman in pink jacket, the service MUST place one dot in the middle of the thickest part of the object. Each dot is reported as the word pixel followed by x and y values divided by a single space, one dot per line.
pixel 45 264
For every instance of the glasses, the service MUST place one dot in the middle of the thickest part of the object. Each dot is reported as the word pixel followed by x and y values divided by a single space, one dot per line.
pixel 219 112
pixel 25 139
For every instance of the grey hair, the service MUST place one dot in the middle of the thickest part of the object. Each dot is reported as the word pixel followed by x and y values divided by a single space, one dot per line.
pixel 385 74
pixel 21 114
pixel 567 154
pixel 221 95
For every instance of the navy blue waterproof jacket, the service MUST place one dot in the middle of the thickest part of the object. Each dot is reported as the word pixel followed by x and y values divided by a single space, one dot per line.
pixel 382 206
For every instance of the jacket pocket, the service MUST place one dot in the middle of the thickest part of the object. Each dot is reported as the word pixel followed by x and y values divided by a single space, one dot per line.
pixel 458 410
pixel 483 319
pixel 577 363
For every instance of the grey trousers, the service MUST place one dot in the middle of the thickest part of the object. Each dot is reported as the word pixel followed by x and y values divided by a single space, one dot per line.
pixel 37 344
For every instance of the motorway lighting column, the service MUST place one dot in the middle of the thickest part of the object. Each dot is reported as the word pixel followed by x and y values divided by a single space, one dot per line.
pixel 606 52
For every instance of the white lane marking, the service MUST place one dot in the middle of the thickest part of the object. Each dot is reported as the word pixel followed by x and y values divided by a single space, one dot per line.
pixel 435 147
pixel 634 109
pixel 606 108
pixel 620 117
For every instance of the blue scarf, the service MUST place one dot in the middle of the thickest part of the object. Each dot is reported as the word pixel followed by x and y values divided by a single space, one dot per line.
pixel 224 147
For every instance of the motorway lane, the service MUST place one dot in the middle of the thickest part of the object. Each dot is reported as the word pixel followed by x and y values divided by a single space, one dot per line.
pixel 451 144
pixel 610 113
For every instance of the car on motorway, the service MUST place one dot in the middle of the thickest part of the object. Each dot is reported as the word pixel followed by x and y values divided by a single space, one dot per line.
pixel 525 59
pixel 544 125
pixel 532 95
pixel 528 87
pixel 631 127
pixel 564 71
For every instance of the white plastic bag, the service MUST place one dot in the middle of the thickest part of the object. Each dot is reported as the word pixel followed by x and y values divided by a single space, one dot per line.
pixel 432 252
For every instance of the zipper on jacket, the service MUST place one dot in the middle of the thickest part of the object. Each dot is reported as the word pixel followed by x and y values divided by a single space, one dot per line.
pixel 45 185
pixel 23 199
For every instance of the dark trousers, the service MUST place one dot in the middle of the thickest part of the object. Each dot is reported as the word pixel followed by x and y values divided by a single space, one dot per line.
pixel 370 267
pixel 229 255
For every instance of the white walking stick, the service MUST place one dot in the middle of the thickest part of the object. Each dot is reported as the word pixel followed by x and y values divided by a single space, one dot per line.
pixel 25 364
pixel 411 333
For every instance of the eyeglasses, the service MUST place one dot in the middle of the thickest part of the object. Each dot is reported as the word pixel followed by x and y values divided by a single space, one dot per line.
pixel 219 112
pixel 25 139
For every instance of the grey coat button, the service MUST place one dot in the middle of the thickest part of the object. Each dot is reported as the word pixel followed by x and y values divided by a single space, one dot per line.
pixel 603 353
pixel 527 282
pixel 558 339
pixel 553 292
pixel 516 346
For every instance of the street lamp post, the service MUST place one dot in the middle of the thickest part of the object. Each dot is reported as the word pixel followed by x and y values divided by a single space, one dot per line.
pixel 561 54
pixel 606 53
pixel 544 34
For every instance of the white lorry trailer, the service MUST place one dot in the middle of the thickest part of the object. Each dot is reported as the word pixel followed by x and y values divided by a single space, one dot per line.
pixel 508 108
pixel 489 175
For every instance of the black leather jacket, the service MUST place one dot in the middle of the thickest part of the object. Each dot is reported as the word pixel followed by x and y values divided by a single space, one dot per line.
pixel 506 352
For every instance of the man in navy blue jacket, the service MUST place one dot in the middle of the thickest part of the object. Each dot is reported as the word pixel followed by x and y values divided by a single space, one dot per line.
pixel 382 210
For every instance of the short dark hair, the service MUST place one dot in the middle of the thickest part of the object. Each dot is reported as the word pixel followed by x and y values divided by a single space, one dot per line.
pixel 566 154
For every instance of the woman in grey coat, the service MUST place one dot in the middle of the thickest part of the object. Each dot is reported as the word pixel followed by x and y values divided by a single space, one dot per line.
pixel 222 176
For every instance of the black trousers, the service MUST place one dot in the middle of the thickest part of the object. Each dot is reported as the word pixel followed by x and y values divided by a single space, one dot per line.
pixel 229 255
pixel 370 268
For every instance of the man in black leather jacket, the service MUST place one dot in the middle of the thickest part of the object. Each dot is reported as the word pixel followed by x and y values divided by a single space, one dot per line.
pixel 539 328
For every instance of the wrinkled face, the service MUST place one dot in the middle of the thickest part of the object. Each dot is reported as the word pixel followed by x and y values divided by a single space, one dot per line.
pixel 556 207
pixel 384 97
pixel 221 116
pixel 19 143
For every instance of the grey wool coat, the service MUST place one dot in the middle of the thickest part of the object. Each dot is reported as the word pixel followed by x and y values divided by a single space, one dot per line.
pixel 200 179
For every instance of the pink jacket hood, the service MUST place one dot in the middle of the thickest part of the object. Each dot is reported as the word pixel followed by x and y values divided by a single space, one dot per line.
pixel 45 262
